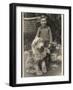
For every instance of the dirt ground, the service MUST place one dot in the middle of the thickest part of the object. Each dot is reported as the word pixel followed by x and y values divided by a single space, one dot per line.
pixel 53 70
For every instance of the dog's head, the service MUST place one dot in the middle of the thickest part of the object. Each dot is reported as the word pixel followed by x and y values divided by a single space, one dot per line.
pixel 38 44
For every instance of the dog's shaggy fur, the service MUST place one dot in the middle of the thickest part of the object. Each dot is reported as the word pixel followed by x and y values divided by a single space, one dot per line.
pixel 40 55
pixel 36 59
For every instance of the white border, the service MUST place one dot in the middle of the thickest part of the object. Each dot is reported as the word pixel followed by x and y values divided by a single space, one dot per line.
pixel 64 77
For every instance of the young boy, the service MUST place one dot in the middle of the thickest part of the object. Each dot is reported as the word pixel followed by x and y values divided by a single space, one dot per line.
pixel 44 32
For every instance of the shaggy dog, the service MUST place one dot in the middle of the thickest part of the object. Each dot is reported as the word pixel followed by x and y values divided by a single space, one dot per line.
pixel 41 56
pixel 37 59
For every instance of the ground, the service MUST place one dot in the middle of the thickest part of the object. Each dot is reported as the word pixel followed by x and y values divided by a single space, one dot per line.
pixel 53 70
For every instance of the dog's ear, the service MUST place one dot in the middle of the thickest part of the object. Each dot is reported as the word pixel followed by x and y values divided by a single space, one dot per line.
pixel 35 41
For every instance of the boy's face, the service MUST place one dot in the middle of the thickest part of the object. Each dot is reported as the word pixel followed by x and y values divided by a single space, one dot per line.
pixel 43 22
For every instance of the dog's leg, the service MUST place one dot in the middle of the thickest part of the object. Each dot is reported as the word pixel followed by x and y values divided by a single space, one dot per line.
pixel 44 68
pixel 38 71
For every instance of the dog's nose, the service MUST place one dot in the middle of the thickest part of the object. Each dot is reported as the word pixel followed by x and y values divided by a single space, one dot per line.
pixel 42 47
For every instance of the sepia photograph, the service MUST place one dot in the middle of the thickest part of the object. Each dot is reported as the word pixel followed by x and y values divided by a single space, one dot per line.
pixel 42 44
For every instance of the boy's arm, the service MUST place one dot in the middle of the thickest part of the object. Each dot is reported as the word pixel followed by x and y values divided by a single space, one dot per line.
pixel 50 34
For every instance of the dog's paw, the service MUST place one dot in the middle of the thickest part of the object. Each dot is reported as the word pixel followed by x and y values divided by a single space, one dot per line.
pixel 39 73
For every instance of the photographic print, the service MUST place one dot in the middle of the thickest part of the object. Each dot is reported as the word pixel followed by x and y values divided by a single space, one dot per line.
pixel 40 44
pixel 42 39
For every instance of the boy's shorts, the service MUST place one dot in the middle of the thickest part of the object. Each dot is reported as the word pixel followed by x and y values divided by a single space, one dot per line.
pixel 46 44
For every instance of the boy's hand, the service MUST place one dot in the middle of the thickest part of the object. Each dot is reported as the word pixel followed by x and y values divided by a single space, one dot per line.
pixel 49 45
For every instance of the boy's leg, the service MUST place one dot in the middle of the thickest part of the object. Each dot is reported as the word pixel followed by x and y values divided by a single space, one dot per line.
pixel 44 68
pixel 37 68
